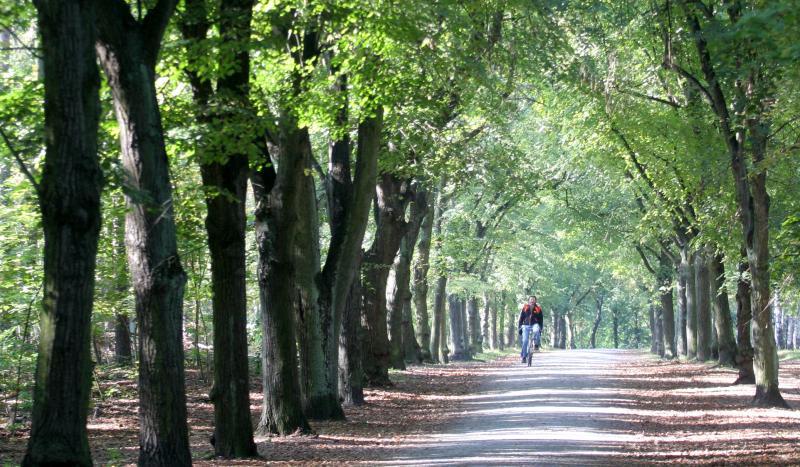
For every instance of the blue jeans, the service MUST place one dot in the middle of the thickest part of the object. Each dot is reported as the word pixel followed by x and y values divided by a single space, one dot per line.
pixel 537 334
pixel 526 332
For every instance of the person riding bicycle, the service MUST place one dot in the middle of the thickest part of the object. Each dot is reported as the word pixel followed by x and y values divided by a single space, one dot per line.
pixel 531 318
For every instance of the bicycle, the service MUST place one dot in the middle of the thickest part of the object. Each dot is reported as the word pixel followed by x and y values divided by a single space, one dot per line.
pixel 532 343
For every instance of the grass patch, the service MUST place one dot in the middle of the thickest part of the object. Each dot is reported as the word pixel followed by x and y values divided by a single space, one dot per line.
pixel 488 355
pixel 788 355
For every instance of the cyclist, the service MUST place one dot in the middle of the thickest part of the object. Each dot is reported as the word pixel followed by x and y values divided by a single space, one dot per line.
pixel 530 319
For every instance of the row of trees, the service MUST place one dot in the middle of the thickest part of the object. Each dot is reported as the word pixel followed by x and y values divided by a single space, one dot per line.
pixel 341 188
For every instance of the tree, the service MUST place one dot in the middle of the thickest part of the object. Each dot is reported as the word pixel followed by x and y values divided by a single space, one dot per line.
pixel 128 50
pixel 224 169
pixel 69 199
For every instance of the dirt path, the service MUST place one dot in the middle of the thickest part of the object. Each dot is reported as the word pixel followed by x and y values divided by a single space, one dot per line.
pixel 563 410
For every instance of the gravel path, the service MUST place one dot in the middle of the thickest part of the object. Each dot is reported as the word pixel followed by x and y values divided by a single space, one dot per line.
pixel 563 410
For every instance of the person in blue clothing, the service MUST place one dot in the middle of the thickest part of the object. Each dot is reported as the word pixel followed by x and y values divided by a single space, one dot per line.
pixel 531 321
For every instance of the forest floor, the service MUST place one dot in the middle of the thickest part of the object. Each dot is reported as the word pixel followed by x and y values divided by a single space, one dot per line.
pixel 584 407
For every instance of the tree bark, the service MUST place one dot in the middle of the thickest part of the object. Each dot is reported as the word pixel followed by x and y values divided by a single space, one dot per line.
pixel 421 268
pixel 122 339
pixel 615 325
pixel 744 354
pixel 472 332
pixel 69 200
pixel 319 394
pixel 488 321
pixel 348 206
pixel 598 299
pixel 128 51
pixel 703 305
pixel 392 195
pixel 457 328
pixel 691 303
pixel 437 342
pixel 722 313
pixel 681 338
pixel 351 374
pixel 276 228
pixel 404 345
pixel 667 306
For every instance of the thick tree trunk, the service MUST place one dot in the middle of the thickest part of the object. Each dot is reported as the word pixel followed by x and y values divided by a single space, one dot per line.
pixel 122 339
pixel 722 313
pixel 653 329
pixel 421 267
pixel 473 329
pixel 691 303
pixel 457 327
pixel 128 51
pixel 744 354
pixel 667 306
pixel 703 305
pixel 351 374
pixel 348 206
pixel 320 396
pixel 277 197
pixel 69 200
pixel 392 196
pixel 680 293
pixel 399 288
pixel 491 322
pixel 438 319
pixel 569 330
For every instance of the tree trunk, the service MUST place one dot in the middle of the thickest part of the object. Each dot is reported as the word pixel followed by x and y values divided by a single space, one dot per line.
pixel 726 344
pixel 691 304
pixel 473 328
pixel 779 318
pixel 399 289
pixel 348 205
pixel 128 51
pixel 277 197
pixel 703 305
pixel 681 338
pixel 437 346
pixel 392 196
pixel 667 307
pixel 320 396
pixel 569 328
pixel 69 200
pixel 421 267
pixel 457 327
pixel 122 339
pixel 491 325
pixel 615 324
pixel 224 175
pixel 351 374
pixel 744 353
pixel 597 317
pixel 653 329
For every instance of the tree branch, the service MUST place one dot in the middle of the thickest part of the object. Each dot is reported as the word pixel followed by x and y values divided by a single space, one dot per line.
pixel 670 103
pixel 154 25
pixel 645 260
pixel 21 163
